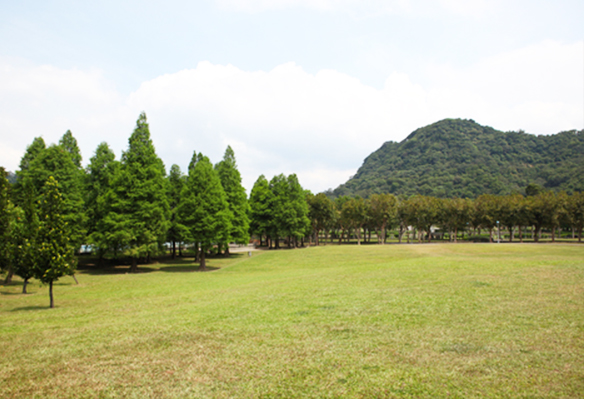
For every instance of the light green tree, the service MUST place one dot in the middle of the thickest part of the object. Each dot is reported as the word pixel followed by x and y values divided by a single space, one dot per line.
pixel 55 257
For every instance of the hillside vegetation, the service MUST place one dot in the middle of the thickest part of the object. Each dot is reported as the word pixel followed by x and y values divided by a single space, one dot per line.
pixel 460 158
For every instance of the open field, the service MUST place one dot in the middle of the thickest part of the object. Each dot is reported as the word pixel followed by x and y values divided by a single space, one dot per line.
pixel 439 320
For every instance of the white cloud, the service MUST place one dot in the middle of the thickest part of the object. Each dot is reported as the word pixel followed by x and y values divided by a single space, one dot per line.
pixel 320 126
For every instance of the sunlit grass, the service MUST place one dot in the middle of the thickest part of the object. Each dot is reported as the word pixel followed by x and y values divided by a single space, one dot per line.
pixel 440 320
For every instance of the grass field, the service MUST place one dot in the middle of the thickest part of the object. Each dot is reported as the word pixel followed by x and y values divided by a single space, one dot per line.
pixel 440 320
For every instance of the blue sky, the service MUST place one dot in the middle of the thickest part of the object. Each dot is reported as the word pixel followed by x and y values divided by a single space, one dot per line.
pixel 307 87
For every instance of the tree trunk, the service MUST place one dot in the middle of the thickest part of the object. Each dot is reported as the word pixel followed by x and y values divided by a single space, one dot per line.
pixel 51 296
pixel 74 278
pixel 197 252
pixel 202 266
pixel 9 276
pixel 358 235
pixel 455 234
pixel 25 286
pixel 227 254
pixel 134 262
pixel 512 233
pixel 580 232
pixel 536 234
pixel 491 235
pixel 173 249
pixel 520 234
pixel 553 233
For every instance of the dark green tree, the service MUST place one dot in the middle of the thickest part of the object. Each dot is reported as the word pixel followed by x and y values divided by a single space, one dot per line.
pixel 55 257
pixel 231 180
pixel 69 143
pixel 25 238
pixel 203 208
pixel 355 213
pixel 382 210
pixel 97 194
pixel 141 203
pixel 261 216
pixel 177 231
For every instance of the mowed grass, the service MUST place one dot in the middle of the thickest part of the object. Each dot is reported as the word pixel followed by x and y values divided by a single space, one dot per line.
pixel 442 321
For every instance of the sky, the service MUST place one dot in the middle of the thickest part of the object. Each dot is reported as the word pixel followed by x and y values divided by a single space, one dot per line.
pixel 309 87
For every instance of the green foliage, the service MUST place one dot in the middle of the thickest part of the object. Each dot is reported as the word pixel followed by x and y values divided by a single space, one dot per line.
pixel 140 211
pixel 55 161
pixel 98 187
pixel 177 231
pixel 203 208
pixel 321 212
pixel 55 254
pixel 261 203
pixel 231 180
pixel 69 143
pixel 460 158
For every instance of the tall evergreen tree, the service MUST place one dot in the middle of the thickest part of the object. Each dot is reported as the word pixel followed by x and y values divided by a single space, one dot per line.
pixel 177 231
pixel 33 150
pixel 25 238
pixel 6 223
pixel 203 208
pixel 69 143
pixel 98 180
pixel 141 206
pixel 56 257
pixel 261 216
pixel 231 180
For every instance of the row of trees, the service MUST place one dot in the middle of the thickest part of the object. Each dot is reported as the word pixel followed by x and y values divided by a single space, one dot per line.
pixel 128 207
pixel 380 213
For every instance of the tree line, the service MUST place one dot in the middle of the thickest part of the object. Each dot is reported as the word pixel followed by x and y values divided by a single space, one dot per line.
pixel 131 207
pixel 128 207
pixel 380 213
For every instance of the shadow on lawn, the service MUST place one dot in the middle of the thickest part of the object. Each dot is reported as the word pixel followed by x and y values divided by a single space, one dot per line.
pixel 187 268
pixel 30 308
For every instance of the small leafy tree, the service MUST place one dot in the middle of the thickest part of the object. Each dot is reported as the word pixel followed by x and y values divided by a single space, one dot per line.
pixel 55 257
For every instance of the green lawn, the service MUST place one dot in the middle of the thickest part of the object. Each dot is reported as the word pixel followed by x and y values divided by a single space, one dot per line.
pixel 439 320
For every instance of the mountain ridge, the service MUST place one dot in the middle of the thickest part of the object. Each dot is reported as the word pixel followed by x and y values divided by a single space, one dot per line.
pixel 461 158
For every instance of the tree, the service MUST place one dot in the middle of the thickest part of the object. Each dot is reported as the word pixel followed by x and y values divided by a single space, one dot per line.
pixel 355 214
pixel 6 224
pixel 33 150
pixel 69 143
pixel 422 212
pixel 487 212
pixel 177 231
pixel 382 210
pixel 203 208
pixel 56 257
pixel 298 222
pixel 576 212
pixel 24 240
pixel 141 206
pixel 261 203
pixel 98 200
pixel 231 180
pixel 455 214
pixel 321 212
pixel 544 211
pixel 55 161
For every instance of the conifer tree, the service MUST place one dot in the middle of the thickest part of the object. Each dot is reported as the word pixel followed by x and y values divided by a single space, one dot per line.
pixel 141 211
pixel 55 257
pixel 231 180
pixel 261 216
pixel 203 208
pixel 69 143
pixel 177 231
pixel 98 188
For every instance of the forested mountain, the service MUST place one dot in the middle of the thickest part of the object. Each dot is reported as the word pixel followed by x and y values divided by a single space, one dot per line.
pixel 460 158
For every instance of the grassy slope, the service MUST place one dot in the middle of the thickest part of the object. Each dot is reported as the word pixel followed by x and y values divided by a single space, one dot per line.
pixel 465 320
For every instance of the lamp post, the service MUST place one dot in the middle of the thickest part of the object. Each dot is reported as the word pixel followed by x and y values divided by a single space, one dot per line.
pixel 498 223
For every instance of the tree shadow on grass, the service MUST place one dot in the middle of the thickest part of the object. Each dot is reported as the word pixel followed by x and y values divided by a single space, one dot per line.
pixel 187 268
pixel 31 308
pixel 112 270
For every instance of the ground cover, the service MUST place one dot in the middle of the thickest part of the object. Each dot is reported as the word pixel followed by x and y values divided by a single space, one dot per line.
pixel 429 320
